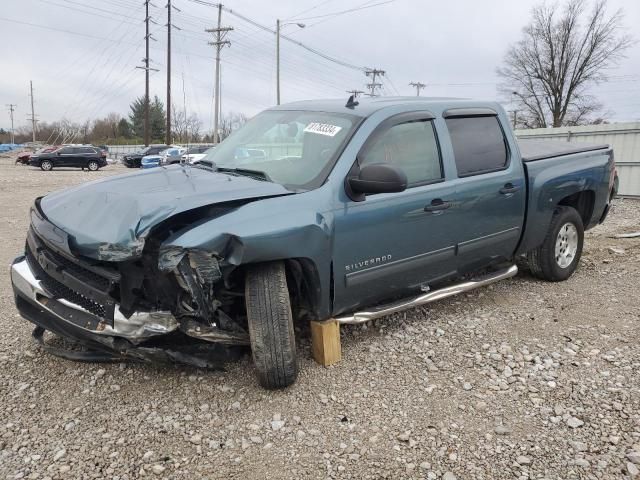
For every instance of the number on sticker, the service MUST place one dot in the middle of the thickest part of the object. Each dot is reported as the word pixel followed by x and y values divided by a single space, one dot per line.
pixel 323 129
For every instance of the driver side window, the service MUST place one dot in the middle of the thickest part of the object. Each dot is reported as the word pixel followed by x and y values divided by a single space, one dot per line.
pixel 410 146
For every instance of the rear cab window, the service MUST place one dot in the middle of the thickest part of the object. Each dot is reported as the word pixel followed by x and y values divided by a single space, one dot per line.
pixel 479 145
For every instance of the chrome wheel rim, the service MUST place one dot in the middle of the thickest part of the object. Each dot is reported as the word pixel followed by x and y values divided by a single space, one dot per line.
pixel 46 165
pixel 566 245
pixel 93 166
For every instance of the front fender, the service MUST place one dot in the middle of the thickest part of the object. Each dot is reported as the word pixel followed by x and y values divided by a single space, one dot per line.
pixel 281 228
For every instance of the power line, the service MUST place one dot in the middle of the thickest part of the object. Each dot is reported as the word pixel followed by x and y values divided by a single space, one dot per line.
pixel 285 37
pixel 350 10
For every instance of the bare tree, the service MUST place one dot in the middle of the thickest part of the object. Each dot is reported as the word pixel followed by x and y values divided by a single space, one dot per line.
pixel 185 129
pixel 231 121
pixel 563 51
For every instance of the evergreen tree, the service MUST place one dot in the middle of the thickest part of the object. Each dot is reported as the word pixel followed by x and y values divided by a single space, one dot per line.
pixel 124 128
pixel 157 118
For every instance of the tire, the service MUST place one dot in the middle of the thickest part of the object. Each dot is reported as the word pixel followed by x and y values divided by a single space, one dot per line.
pixel 565 230
pixel 271 333
pixel 93 166
pixel 46 165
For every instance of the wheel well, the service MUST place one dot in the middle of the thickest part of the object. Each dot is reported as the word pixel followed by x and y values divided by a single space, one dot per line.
pixel 583 202
pixel 304 286
pixel 303 281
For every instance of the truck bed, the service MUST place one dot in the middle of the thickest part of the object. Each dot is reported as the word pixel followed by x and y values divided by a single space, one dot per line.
pixel 533 149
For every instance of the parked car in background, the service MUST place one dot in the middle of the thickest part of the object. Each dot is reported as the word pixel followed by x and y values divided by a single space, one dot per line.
pixel 134 160
pixel 172 155
pixel 151 161
pixel 77 156
pixel 104 149
pixel 196 153
pixel 23 158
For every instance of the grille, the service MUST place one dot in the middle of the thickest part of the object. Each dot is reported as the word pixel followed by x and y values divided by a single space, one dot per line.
pixel 58 290
pixel 80 272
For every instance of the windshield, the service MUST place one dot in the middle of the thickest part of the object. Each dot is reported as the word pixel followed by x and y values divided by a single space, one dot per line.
pixel 294 149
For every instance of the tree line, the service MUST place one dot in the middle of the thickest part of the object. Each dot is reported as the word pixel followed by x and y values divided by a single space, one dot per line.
pixel 117 129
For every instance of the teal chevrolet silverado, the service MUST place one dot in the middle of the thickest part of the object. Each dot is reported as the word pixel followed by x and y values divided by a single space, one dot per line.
pixel 313 210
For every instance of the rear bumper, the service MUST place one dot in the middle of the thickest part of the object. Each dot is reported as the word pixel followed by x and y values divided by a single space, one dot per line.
pixel 145 336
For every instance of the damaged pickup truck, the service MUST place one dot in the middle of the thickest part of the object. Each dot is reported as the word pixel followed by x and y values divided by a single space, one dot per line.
pixel 349 211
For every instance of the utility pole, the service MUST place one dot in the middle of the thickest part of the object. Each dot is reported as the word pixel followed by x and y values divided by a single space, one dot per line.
pixel 12 107
pixel 33 115
pixel 146 68
pixel 515 118
pixel 169 27
pixel 418 86
pixel 355 93
pixel 373 73
pixel 219 43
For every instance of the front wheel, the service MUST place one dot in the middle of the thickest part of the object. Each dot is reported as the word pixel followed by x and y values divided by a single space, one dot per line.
pixel 558 256
pixel 46 165
pixel 93 165
pixel 271 333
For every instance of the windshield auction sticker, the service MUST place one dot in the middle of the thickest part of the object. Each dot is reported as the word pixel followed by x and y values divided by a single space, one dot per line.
pixel 323 129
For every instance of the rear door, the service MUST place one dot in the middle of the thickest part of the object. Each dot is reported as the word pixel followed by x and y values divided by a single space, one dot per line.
pixel 490 191
pixel 393 243
pixel 85 154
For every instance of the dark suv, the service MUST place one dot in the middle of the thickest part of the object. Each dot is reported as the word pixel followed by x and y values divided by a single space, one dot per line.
pixel 83 157
pixel 134 160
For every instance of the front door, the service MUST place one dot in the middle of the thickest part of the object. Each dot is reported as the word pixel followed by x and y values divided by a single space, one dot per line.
pixel 392 243
pixel 66 157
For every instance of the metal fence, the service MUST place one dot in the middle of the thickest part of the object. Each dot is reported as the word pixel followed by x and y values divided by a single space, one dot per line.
pixel 623 137
pixel 118 151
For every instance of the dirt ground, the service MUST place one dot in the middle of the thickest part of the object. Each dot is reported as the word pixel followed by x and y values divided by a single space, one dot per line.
pixel 523 379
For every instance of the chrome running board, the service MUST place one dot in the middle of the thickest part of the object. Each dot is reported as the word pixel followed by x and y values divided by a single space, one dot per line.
pixel 384 310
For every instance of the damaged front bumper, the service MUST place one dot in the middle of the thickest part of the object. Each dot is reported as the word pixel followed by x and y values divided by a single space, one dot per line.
pixel 147 336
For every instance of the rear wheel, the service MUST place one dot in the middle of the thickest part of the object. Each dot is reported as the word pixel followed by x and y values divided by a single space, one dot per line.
pixel 558 256
pixel 93 165
pixel 270 321
pixel 46 165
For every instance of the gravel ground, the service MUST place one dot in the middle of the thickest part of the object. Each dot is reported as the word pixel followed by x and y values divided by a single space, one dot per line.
pixel 523 379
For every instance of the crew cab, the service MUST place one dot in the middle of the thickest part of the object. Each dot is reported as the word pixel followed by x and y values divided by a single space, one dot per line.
pixel 351 211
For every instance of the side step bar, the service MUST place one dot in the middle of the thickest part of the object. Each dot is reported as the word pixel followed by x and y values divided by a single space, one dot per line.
pixel 384 310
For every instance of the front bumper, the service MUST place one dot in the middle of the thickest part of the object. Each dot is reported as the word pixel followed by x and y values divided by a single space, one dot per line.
pixel 143 336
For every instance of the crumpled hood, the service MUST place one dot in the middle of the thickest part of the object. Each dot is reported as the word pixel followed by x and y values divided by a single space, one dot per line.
pixel 109 219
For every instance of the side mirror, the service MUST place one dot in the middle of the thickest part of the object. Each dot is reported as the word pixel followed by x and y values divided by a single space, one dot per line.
pixel 377 178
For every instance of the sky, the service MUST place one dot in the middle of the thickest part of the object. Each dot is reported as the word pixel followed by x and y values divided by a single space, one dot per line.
pixel 82 54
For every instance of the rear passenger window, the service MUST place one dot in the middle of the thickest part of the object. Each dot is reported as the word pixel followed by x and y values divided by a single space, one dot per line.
pixel 412 147
pixel 478 144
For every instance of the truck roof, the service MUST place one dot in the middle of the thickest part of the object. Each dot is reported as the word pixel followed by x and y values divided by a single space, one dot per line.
pixel 368 106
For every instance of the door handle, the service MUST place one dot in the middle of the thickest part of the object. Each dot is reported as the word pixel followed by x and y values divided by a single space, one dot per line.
pixel 509 188
pixel 437 205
